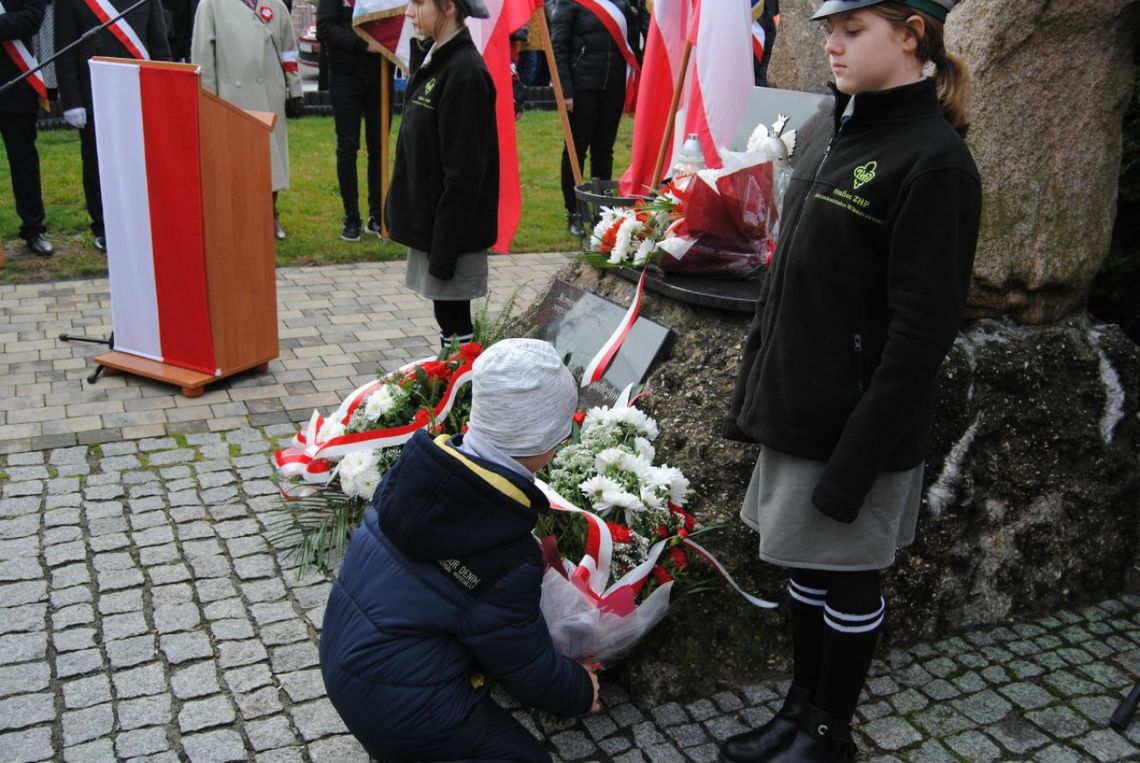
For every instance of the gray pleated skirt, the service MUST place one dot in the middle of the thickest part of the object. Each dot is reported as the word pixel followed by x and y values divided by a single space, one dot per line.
pixel 469 282
pixel 793 533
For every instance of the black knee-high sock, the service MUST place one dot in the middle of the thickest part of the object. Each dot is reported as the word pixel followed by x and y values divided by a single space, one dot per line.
pixel 806 593
pixel 852 619
pixel 454 319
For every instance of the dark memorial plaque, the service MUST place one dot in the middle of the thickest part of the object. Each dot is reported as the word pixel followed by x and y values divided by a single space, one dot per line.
pixel 578 323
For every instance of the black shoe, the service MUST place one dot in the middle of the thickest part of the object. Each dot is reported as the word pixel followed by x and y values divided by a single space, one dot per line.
pixel 574 224
pixel 101 242
pixel 821 739
pixel 373 226
pixel 759 744
pixel 351 230
pixel 40 245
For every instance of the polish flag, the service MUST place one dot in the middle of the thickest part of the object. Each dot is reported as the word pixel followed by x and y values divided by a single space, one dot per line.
pixel 715 90
pixel 720 77
pixel 491 36
pixel 664 46
pixel 148 120
pixel 384 22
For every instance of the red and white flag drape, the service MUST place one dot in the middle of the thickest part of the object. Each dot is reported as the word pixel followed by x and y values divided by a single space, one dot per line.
pixel 664 46
pixel 759 36
pixel 148 143
pixel 384 22
pixel 721 75
pixel 715 89
pixel 492 38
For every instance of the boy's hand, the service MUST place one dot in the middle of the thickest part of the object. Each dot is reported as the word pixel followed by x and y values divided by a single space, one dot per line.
pixel 597 706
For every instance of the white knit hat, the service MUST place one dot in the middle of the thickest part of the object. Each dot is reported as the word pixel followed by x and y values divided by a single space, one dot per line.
pixel 523 397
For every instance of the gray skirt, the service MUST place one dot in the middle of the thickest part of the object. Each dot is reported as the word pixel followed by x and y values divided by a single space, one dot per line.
pixel 793 533
pixel 469 281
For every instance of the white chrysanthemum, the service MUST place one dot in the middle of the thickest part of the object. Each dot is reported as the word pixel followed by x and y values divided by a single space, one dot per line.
pixel 607 494
pixel 629 417
pixel 624 240
pixel 677 482
pixel 360 474
pixel 330 429
pixel 607 218
pixel 644 448
pixel 380 403
pixel 623 460
pixel 643 250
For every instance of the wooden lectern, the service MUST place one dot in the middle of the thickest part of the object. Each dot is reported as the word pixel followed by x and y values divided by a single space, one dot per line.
pixel 187 200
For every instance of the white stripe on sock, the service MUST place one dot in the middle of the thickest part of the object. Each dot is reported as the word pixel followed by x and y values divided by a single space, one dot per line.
pixel 855 623
pixel 805 599
pixel 805 589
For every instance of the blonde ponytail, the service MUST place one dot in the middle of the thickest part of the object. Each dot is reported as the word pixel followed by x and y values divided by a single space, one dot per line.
pixel 950 72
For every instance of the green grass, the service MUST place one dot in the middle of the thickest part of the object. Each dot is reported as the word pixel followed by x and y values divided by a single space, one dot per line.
pixel 310 211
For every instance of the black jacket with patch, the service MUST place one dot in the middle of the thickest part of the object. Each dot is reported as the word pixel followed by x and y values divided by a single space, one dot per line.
pixel 444 198
pixel 865 295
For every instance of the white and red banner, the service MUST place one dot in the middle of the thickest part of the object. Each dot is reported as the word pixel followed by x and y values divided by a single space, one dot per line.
pixel 716 85
pixel 150 175
pixel 491 36
pixel 664 46
pixel 105 11
pixel 759 36
pixel 25 62
pixel 384 22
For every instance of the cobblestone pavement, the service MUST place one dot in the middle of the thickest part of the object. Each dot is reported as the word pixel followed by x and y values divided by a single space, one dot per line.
pixel 143 618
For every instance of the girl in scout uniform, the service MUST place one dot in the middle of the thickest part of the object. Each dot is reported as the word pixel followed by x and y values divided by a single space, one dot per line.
pixel 444 199
pixel 863 302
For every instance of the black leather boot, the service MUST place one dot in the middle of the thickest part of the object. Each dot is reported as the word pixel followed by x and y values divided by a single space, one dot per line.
pixel 821 739
pixel 574 224
pixel 757 745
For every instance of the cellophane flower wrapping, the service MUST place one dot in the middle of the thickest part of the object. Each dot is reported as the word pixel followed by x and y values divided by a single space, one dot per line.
pixel 614 564
pixel 730 219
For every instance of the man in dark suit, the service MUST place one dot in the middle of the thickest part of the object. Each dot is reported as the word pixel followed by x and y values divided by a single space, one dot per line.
pixel 72 19
pixel 19 21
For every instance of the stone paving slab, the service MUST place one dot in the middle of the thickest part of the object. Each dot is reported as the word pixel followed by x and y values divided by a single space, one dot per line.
pixel 336 326
pixel 143 617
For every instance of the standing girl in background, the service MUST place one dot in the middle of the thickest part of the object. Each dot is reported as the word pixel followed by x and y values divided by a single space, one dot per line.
pixel 862 304
pixel 444 199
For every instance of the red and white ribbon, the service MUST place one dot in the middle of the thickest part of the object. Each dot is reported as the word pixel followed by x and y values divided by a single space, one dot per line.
pixel 25 62
pixel 310 459
pixel 289 61
pixel 605 356
pixel 104 11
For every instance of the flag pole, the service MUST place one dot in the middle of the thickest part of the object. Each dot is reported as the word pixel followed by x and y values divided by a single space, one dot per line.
pixel 667 138
pixel 385 98
pixel 558 98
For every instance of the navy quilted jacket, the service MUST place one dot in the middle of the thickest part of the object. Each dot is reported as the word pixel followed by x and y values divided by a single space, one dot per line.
pixel 439 592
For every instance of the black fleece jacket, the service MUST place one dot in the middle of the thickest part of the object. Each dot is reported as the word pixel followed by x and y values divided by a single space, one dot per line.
pixel 444 198
pixel 865 296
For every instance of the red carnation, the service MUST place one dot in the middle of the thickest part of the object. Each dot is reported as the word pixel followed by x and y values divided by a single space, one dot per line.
pixel 579 417
pixel 436 370
pixel 680 561
pixel 662 574
pixel 471 350
pixel 620 533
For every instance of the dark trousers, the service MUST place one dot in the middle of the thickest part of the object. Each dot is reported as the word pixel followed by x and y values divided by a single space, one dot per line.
pixel 505 739
pixel 19 134
pixel 90 154
pixel 594 125
pixel 354 97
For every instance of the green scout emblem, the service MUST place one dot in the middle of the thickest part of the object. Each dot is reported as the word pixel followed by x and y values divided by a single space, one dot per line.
pixel 864 174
